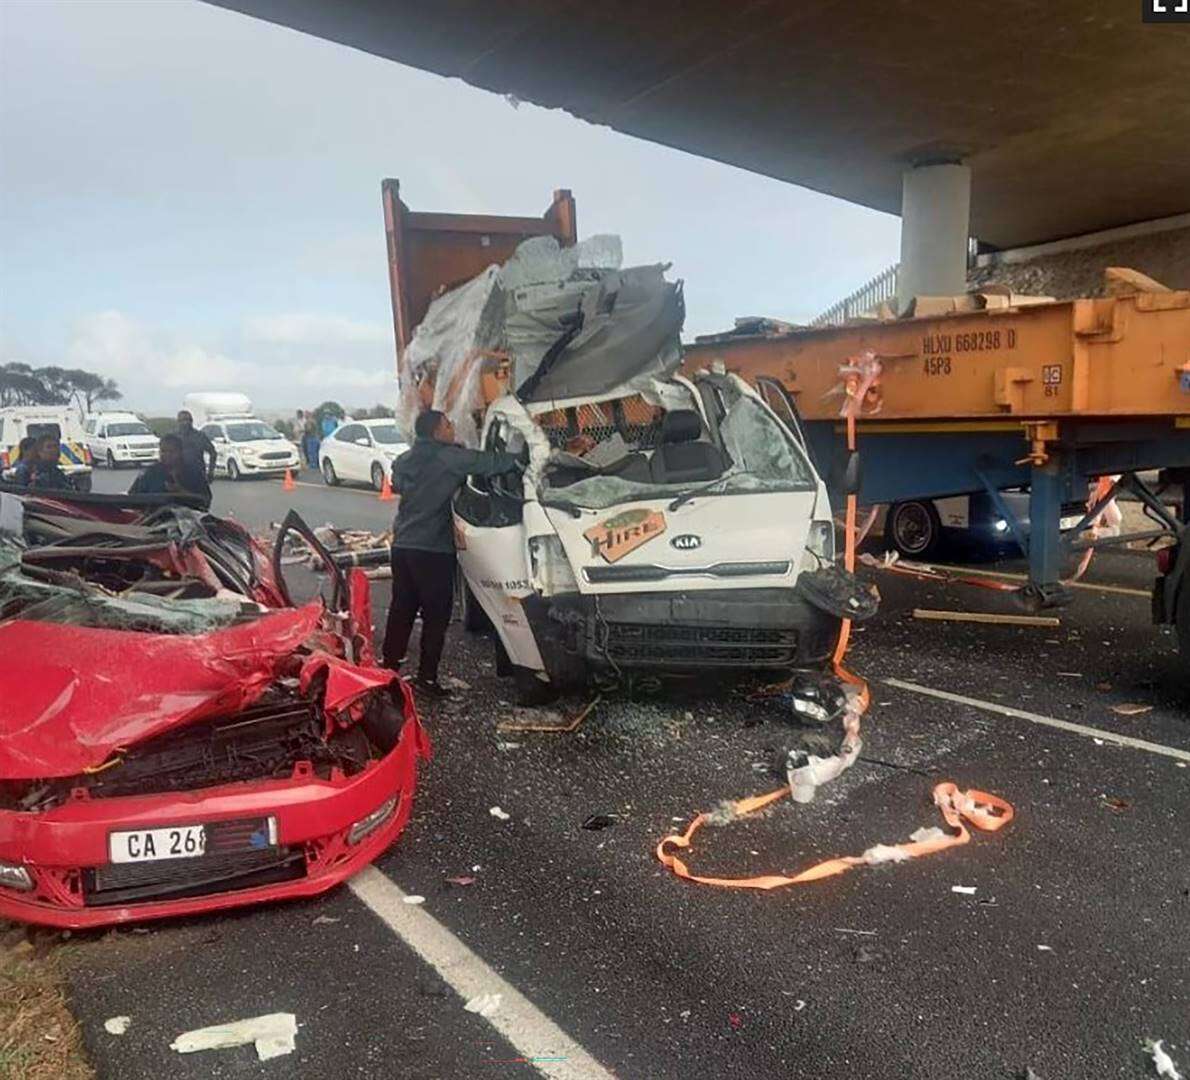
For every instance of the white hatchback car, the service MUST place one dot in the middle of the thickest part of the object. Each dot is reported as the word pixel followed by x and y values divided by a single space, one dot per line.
pixel 361 451
pixel 250 447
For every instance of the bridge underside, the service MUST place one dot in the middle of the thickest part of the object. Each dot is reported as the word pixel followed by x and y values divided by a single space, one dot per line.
pixel 1072 115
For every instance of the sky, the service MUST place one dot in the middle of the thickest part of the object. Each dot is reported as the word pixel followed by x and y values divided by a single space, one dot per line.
pixel 190 200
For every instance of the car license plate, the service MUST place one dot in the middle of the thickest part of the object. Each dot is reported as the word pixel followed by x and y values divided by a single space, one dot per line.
pixel 150 845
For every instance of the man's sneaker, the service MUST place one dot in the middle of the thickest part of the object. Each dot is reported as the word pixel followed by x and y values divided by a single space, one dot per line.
pixel 431 687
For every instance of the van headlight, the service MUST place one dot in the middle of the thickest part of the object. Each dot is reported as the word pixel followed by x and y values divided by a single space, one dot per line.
pixel 549 566
pixel 820 545
pixel 14 876
pixel 368 825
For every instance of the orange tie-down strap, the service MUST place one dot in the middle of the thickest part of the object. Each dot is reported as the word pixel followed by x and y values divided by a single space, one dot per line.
pixel 985 812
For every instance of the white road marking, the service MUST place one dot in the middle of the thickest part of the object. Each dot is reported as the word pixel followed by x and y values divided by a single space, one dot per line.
pixel 1122 590
pixel 1048 721
pixel 536 1037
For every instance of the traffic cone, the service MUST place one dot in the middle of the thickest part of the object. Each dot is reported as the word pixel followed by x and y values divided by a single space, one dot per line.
pixel 386 491
pixel 287 484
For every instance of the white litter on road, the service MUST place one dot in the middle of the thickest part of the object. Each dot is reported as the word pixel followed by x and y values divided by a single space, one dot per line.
pixel 272 1033
pixel 966 890
pixel 1045 948
pixel 415 899
pixel 499 814
pixel 117 1025
pixel 553 1053
pixel 1047 721
pixel 1162 1062
pixel 484 1004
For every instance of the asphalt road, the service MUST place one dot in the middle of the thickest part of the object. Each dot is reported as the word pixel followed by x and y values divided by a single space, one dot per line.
pixel 1072 950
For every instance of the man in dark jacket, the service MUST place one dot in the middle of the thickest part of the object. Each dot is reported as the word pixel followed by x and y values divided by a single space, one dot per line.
pixel 423 555
pixel 196 447
pixel 172 474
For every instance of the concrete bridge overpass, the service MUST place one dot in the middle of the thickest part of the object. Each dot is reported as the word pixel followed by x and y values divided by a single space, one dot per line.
pixel 1015 121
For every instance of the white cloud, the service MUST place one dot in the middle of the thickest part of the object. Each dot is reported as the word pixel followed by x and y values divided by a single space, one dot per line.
pixel 348 378
pixel 310 329
pixel 155 367
pixel 116 345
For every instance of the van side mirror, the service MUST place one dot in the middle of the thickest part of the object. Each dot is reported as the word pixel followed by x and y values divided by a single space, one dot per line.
pixel 846 477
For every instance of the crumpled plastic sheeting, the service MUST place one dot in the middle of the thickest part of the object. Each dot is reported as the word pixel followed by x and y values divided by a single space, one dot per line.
pixel 542 259
pixel 630 333
pixel 632 322
pixel 73 695
pixel 272 1034
pixel 457 325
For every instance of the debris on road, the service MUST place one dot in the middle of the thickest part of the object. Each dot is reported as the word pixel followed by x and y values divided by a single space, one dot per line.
pixel 415 900
pixel 966 890
pixel 461 881
pixel 117 1025
pixel 499 814
pixel 346 547
pixel 986 617
pixel 1116 804
pixel 484 1004
pixel 325 920
pixel 988 813
pixel 1045 948
pixel 1129 709
pixel 1162 1062
pixel 844 930
pixel 598 821
pixel 272 1034
pixel 545 720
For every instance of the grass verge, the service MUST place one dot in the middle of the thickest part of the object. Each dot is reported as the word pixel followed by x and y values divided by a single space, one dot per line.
pixel 39 1038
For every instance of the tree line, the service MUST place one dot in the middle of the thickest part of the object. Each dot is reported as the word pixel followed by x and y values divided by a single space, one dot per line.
pixel 21 384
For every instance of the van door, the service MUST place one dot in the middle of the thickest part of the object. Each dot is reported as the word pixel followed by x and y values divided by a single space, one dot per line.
pixel 489 523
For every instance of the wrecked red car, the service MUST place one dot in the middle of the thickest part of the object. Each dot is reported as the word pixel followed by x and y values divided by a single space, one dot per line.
pixel 176 736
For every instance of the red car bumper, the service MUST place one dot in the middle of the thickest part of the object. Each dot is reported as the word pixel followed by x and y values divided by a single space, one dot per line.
pixel 64 849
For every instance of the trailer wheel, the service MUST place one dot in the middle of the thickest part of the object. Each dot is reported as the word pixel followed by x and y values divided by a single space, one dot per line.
pixel 914 529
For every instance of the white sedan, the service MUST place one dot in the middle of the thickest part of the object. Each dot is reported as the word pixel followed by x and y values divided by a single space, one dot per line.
pixel 361 451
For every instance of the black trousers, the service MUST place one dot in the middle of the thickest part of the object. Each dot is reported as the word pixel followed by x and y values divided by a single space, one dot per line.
pixel 423 583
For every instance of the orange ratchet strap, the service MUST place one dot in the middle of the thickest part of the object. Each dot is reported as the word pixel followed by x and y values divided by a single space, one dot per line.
pixel 985 812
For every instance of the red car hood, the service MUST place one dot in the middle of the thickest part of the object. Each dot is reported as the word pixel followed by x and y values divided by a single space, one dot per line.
pixel 72 695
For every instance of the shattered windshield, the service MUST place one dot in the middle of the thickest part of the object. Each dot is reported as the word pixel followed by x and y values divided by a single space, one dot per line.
pixel 251 431
pixel 672 458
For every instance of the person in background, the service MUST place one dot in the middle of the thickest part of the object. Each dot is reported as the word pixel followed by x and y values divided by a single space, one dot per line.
pixel 172 474
pixel 310 440
pixel 329 423
pixel 45 474
pixel 196 447
pixel 425 479
pixel 22 473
